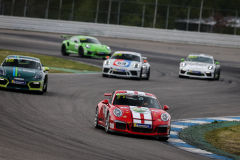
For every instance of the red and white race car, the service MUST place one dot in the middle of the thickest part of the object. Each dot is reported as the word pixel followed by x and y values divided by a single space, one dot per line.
pixel 133 112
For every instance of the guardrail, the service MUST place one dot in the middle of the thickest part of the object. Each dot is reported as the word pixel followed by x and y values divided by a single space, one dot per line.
pixel 108 30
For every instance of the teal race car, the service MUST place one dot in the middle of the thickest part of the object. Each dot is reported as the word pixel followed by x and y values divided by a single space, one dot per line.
pixel 84 46
pixel 23 73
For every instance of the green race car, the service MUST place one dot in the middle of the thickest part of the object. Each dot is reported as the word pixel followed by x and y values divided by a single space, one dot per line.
pixel 84 46
pixel 24 73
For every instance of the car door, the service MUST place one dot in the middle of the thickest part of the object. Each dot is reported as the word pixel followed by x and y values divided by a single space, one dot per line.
pixel 106 108
pixel 73 44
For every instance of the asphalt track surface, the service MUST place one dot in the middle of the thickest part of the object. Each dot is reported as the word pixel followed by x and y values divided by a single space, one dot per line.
pixel 59 124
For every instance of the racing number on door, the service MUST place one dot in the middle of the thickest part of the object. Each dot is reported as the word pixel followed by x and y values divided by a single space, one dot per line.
pixel 76 46
pixel 105 110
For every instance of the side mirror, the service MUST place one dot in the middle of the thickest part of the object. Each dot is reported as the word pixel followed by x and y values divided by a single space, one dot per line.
pixel 105 101
pixel 217 63
pixel 144 59
pixel 107 57
pixel 46 69
pixel 165 107
pixel 182 59
pixel 42 65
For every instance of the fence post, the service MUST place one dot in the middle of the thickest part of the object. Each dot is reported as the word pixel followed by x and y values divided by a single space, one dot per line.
pixel 25 9
pixel 109 11
pixel 72 10
pixel 96 19
pixel 213 20
pixel 12 7
pixel 200 16
pixel 189 9
pixel 60 8
pixel 0 5
pixel 143 15
pixel 46 16
pixel 155 14
pixel 235 29
pixel 167 17
pixel 119 9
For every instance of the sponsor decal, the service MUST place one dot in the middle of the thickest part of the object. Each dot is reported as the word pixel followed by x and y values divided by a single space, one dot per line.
pixel 76 46
pixel 140 109
pixel 111 125
pixel 124 116
pixel 119 70
pixel 122 63
pixel 124 107
pixel 141 115
pixel 127 112
pixel 120 95
pixel 142 125
pixel 18 82
pixel 9 60
pixel 159 120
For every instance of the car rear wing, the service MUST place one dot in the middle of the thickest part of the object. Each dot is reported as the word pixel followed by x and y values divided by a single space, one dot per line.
pixel 107 94
pixel 65 36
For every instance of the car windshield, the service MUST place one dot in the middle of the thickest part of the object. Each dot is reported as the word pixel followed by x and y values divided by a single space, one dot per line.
pixel 126 57
pixel 89 40
pixel 136 100
pixel 24 63
pixel 200 59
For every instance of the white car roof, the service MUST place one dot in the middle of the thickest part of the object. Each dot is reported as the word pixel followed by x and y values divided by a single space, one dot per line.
pixel 127 52
pixel 202 55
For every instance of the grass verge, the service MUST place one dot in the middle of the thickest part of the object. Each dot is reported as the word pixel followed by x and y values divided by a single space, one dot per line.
pixel 226 139
pixel 50 61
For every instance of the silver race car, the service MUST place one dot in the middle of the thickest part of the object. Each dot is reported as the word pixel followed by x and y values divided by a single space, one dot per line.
pixel 200 66
pixel 126 64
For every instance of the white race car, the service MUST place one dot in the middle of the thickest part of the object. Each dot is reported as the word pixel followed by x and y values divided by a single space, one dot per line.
pixel 126 64
pixel 200 66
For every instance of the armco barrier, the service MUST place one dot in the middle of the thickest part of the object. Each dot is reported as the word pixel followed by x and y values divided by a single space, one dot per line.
pixel 108 30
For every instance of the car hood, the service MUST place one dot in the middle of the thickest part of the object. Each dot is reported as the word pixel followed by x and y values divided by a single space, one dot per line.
pixel 197 65
pixel 98 47
pixel 20 72
pixel 121 62
pixel 141 113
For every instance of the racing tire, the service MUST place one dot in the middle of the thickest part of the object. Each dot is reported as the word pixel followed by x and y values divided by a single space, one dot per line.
pixel 63 50
pixel 107 124
pixel 180 76
pixel 104 75
pixel 140 76
pixel 163 138
pixel 45 87
pixel 81 52
pixel 214 75
pixel 96 119
pixel 148 74
pixel 218 75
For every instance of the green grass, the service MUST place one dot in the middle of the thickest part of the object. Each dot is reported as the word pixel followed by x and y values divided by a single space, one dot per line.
pixel 50 61
pixel 226 139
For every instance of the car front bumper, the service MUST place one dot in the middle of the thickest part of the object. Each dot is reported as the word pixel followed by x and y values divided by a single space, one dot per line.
pixel 132 73
pixel 208 74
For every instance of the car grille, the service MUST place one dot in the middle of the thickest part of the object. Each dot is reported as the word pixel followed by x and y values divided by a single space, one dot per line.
pixel 182 71
pixel 17 85
pixel 106 70
pixel 142 130
pixel 34 85
pixel 121 126
pixel 195 74
pixel 209 74
pixel 134 73
pixel 3 82
pixel 120 73
pixel 162 130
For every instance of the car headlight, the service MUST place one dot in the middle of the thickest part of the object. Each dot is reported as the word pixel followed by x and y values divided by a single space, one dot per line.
pixel 164 117
pixel 87 46
pixel 117 112
pixel 210 67
pixel 38 76
pixel 183 64
pixel 107 62
pixel 2 73
pixel 136 65
pixel 108 48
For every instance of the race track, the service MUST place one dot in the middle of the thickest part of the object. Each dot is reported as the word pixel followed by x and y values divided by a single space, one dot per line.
pixel 59 124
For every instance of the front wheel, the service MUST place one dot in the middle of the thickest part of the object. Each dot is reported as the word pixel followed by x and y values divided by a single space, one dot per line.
pixel 96 119
pixel 218 75
pixel 107 124
pixel 45 87
pixel 148 74
pixel 104 75
pixel 81 52
pixel 163 138
pixel 140 76
pixel 63 50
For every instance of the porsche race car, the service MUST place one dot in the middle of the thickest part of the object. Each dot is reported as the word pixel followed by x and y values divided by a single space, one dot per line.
pixel 84 46
pixel 24 73
pixel 133 112
pixel 200 66
pixel 126 64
